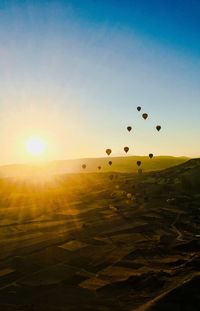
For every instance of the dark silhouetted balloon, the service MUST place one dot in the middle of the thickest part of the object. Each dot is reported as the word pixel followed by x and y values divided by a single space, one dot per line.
pixel 150 155
pixel 99 167
pixel 158 127
pixel 145 116
pixel 139 108
pixel 111 177
pixel 84 166
pixel 129 128
pixel 126 149
pixel 139 163
pixel 110 162
pixel 108 151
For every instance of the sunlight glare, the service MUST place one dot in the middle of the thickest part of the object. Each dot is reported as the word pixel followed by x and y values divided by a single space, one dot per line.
pixel 35 146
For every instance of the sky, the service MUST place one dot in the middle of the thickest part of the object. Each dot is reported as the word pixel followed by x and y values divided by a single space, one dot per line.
pixel 73 72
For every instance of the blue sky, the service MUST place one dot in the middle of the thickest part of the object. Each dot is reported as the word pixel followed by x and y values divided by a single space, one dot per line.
pixel 74 72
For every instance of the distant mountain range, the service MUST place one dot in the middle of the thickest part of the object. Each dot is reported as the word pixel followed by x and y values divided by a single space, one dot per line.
pixel 119 164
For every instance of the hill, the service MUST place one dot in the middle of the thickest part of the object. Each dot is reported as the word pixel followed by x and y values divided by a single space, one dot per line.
pixel 187 175
pixel 120 164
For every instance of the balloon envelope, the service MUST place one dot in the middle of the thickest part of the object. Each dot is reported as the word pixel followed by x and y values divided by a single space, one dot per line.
pixel 99 167
pixel 145 116
pixel 158 127
pixel 139 108
pixel 110 162
pixel 129 128
pixel 139 163
pixel 84 166
pixel 108 151
pixel 126 149
pixel 150 155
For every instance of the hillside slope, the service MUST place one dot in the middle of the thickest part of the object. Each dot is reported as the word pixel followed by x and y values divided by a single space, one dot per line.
pixel 187 175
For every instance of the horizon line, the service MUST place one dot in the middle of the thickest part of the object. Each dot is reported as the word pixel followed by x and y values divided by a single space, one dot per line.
pixel 38 163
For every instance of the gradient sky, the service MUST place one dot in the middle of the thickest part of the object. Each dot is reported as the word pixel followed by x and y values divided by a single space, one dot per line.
pixel 74 72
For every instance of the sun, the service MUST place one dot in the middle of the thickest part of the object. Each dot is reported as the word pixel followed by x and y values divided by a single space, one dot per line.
pixel 35 146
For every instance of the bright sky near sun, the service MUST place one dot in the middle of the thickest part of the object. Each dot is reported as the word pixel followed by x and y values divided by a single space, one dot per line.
pixel 73 72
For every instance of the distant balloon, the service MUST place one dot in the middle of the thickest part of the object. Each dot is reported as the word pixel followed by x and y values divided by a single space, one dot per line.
pixel 111 177
pixel 126 149
pixel 84 166
pixel 110 163
pixel 145 116
pixel 139 108
pixel 129 128
pixel 84 226
pixel 99 167
pixel 150 155
pixel 158 127
pixel 139 163
pixel 108 151
pixel 129 196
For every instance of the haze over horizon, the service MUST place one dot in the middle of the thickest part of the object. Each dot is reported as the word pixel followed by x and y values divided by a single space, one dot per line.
pixel 73 73
pixel 38 163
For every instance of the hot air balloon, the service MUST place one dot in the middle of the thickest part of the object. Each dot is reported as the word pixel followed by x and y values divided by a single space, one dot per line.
pixel 139 108
pixel 111 177
pixel 150 155
pixel 145 116
pixel 139 163
pixel 129 196
pixel 129 128
pixel 108 151
pixel 126 149
pixel 158 127
pixel 110 163
pixel 99 167
pixel 84 166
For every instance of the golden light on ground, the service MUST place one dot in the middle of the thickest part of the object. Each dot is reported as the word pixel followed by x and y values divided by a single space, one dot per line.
pixel 35 146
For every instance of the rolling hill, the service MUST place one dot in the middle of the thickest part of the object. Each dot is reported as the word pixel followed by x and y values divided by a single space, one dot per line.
pixel 120 164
